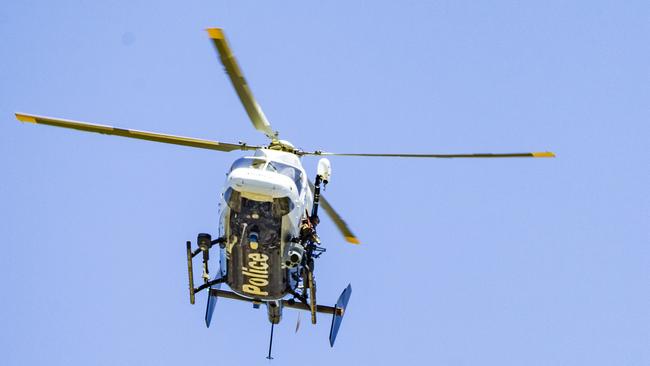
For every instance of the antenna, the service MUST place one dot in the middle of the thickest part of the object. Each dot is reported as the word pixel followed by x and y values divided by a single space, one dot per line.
pixel 270 343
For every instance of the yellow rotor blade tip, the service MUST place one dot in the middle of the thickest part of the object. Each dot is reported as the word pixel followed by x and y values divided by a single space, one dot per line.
pixel 545 154
pixel 352 239
pixel 25 118
pixel 215 33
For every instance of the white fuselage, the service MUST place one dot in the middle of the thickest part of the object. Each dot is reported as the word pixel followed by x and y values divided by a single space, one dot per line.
pixel 263 183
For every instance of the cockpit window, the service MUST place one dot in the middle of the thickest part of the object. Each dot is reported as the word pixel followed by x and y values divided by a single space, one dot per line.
pixel 288 170
pixel 248 162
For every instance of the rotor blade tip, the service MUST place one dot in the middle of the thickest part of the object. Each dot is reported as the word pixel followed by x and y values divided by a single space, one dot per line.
pixel 352 240
pixel 545 154
pixel 25 118
pixel 215 33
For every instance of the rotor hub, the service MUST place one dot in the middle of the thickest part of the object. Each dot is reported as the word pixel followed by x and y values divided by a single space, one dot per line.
pixel 282 145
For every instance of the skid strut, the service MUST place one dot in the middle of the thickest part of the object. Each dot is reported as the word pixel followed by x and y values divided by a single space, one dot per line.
pixel 205 242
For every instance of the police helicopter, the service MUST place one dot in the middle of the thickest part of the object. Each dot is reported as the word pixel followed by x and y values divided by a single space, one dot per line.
pixel 267 243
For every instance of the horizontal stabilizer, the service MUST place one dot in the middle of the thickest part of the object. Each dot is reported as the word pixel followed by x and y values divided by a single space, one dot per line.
pixel 324 309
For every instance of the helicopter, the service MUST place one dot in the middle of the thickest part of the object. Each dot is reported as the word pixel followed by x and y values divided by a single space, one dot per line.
pixel 267 243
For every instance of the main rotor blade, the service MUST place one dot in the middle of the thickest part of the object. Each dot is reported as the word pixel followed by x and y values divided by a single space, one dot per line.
pixel 141 135
pixel 338 220
pixel 228 60
pixel 545 154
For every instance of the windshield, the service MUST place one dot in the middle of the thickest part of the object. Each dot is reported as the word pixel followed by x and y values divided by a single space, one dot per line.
pixel 288 170
pixel 248 162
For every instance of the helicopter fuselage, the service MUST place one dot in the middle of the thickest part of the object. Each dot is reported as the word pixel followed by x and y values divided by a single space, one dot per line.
pixel 265 199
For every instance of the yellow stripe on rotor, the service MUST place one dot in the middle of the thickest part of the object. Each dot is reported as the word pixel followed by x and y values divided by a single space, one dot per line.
pixel 25 118
pixel 352 239
pixel 215 33
pixel 545 154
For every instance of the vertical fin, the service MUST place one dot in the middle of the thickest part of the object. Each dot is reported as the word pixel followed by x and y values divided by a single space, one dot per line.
pixel 209 309
pixel 342 304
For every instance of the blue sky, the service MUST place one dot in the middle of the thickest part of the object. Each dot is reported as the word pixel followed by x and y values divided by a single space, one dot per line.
pixel 491 262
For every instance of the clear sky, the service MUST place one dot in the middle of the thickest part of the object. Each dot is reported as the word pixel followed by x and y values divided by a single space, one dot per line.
pixel 474 262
